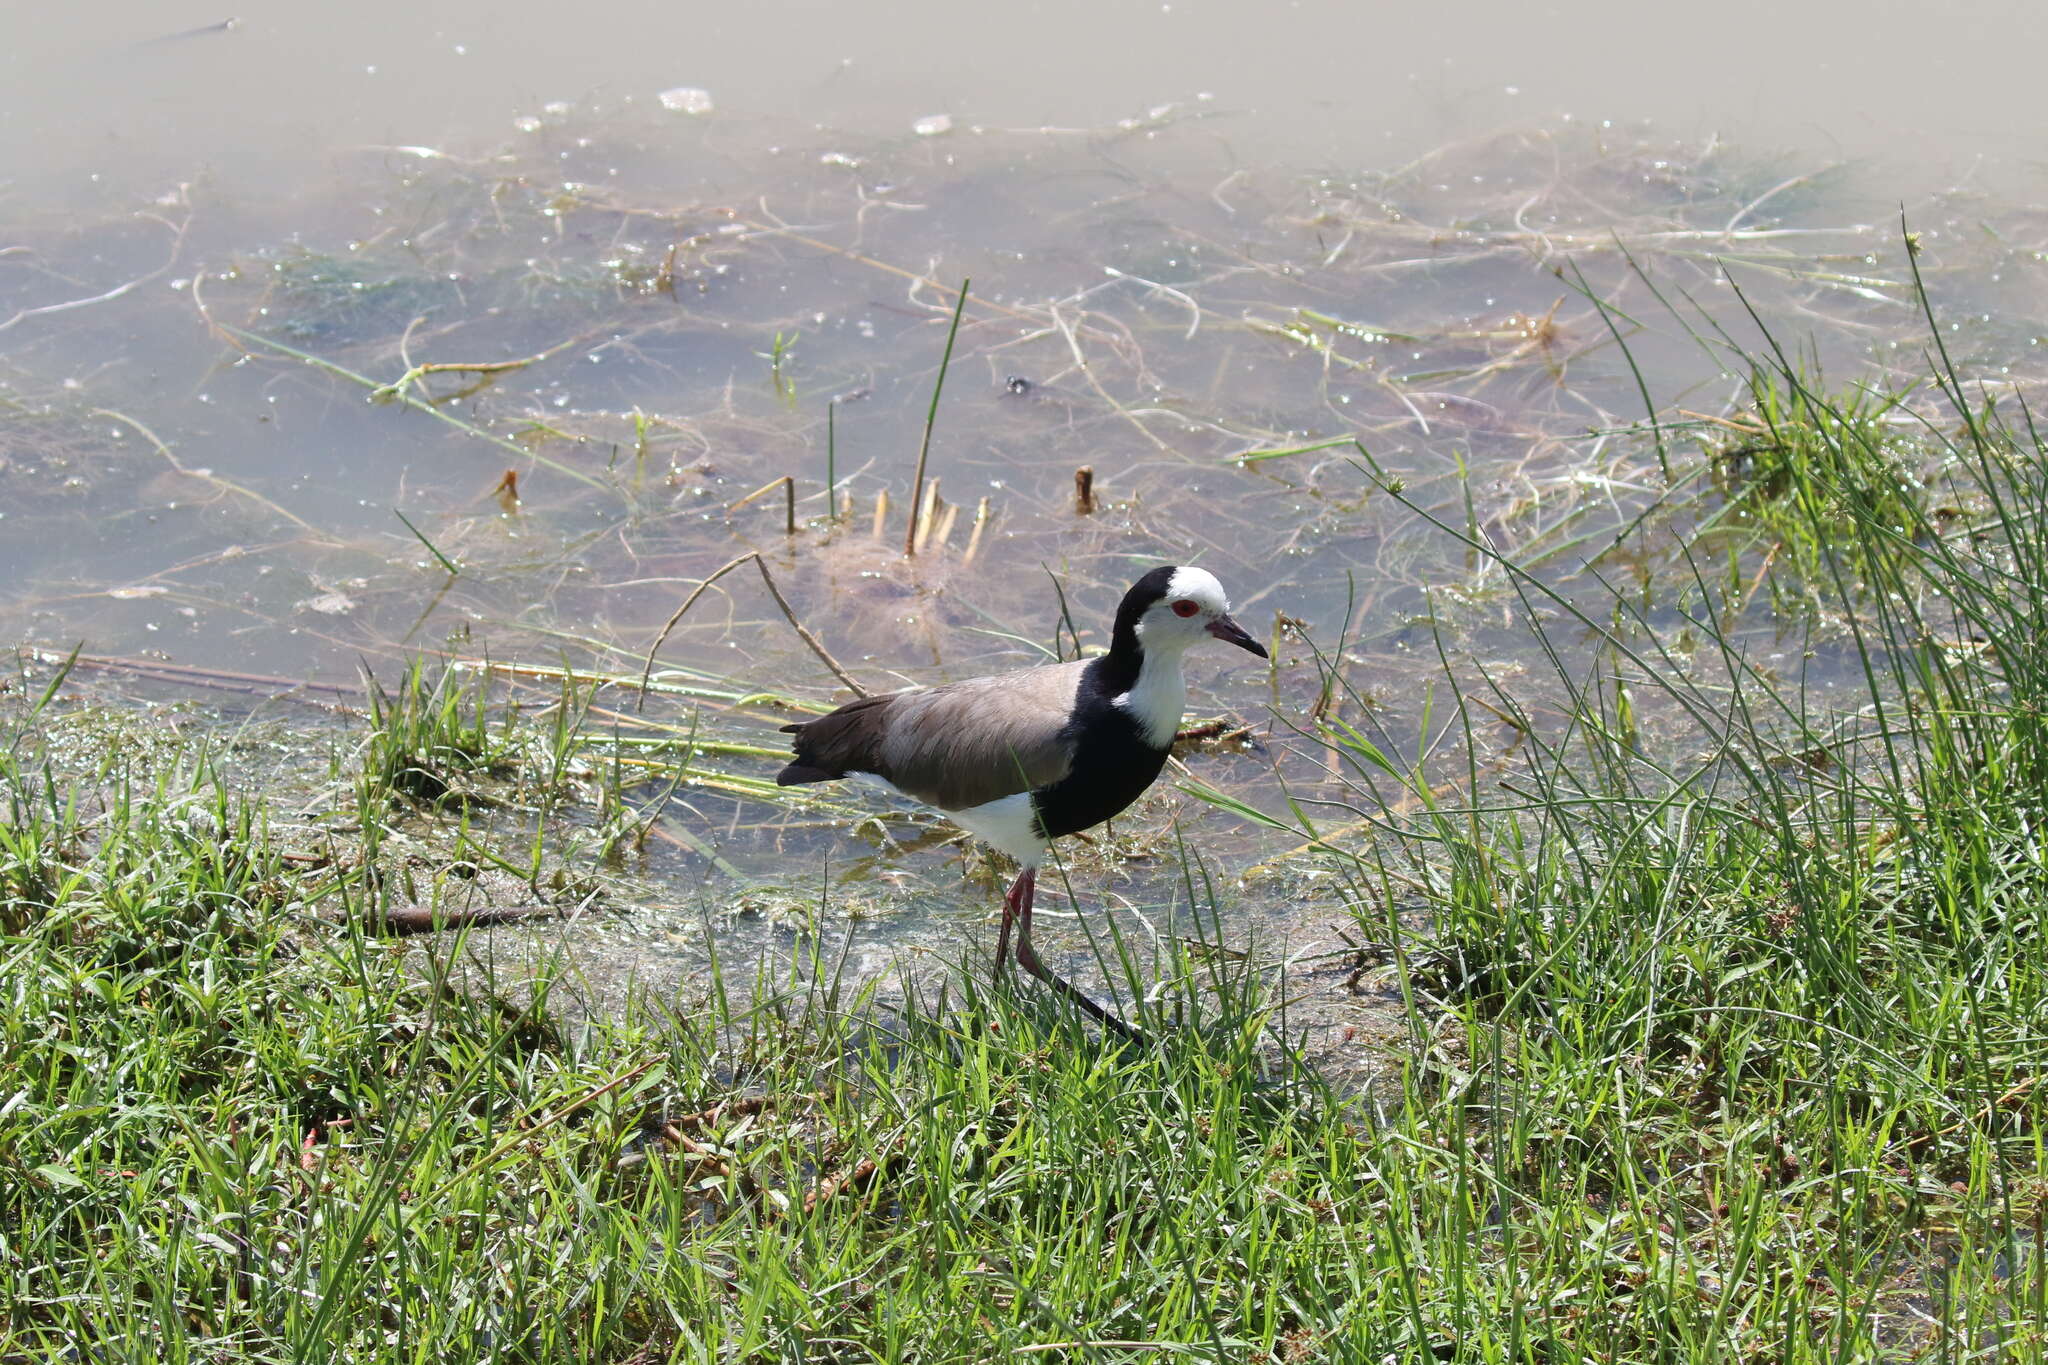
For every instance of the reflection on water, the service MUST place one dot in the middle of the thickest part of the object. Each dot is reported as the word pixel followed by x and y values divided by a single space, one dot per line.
pixel 254 432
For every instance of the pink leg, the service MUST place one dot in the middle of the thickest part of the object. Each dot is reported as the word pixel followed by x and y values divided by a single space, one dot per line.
pixel 1026 958
pixel 1020 891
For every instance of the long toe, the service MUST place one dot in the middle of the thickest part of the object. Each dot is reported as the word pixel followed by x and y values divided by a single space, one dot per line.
pixel 1029 961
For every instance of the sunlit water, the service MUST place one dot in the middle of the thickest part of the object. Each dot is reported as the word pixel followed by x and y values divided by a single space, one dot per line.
pixel 1187 244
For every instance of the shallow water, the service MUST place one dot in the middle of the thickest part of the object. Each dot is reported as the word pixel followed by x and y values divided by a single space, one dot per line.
pixel 216 245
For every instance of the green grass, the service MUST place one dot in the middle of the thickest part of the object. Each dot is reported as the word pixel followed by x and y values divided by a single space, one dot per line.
pixel 1804 474
pixel 1726 999
pixel 427 736
pixel 249 1134
pixel 1746 1026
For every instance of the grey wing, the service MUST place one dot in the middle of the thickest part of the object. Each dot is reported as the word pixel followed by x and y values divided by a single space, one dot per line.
pixel 969 743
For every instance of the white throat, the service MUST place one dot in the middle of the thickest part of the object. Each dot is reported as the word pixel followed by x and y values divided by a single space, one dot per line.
pixel 1158 698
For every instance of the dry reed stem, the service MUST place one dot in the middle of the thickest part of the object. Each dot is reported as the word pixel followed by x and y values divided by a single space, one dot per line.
pixel 208 477
pixel 738 1109
pixel 787 484
pixel 860 1179
pixel 817 647
pixel 921 527
pixel 240 337
pixel 186 674
pixel 981 519
pixel 1066 330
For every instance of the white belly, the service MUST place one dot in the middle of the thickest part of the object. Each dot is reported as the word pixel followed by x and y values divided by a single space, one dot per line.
pixel 1006 824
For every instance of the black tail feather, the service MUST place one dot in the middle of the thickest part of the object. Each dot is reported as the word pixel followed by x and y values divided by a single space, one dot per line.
pixel 831 746
pixel 796 774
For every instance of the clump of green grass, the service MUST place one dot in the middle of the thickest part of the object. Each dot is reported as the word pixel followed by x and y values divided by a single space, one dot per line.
pixel 780 356
pixel 430 734
pixel 1801 470
pixel 1743 1032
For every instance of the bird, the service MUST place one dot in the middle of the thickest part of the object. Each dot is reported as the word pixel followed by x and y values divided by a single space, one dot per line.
pixel 1020 759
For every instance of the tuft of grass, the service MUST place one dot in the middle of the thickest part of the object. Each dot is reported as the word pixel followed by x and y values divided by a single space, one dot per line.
pixel 427 736
pixel 1801 470
pixel 779 355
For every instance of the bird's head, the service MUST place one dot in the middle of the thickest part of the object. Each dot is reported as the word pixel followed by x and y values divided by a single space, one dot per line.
pixel 1176 605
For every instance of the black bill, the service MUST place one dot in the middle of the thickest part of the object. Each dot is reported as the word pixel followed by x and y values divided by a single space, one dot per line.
pixel 1223 628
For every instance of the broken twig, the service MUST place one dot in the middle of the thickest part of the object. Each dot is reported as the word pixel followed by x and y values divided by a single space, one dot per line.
pixel 816 646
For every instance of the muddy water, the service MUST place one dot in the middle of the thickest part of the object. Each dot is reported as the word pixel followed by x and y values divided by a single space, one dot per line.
pixel 215 244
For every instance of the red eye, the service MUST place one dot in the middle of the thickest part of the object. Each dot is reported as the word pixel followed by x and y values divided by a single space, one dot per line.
pixel 1185 608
